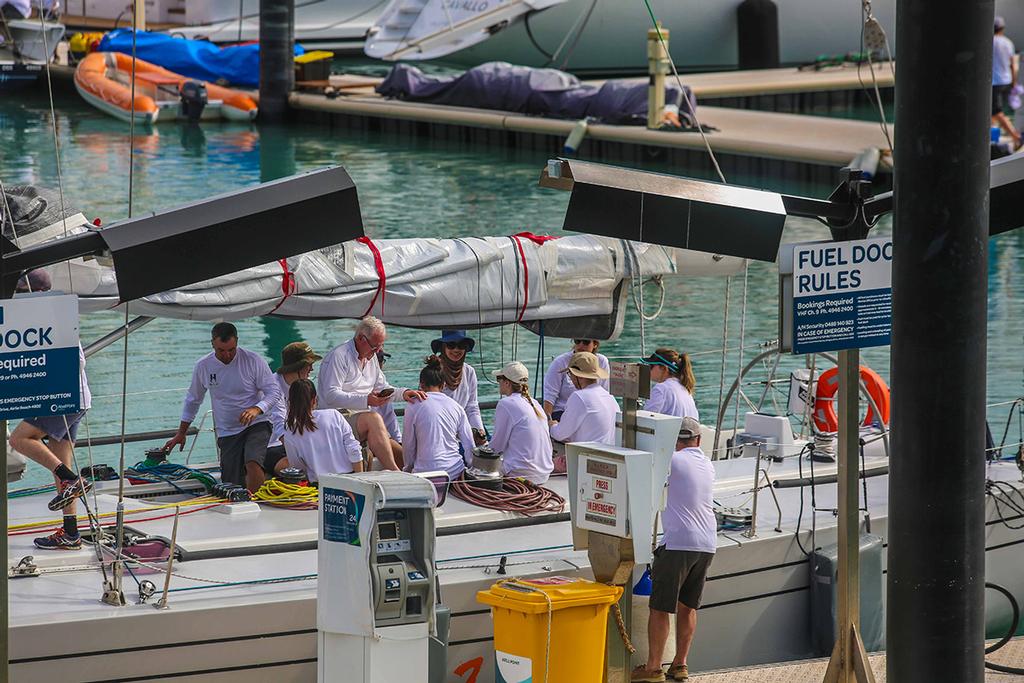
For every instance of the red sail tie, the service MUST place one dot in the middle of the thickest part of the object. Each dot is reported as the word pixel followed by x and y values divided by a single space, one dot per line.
pixel 288 284
pixel 378 263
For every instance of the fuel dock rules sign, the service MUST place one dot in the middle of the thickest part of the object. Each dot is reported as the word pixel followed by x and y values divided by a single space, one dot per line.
pixel 39 356
pixel 842 295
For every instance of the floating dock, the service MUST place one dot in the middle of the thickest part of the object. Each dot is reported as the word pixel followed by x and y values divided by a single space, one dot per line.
pixel 813 671
pixel 756 143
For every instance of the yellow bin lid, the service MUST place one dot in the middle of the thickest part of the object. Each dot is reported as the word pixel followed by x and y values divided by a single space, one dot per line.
pixel 527 596
pixel 314 56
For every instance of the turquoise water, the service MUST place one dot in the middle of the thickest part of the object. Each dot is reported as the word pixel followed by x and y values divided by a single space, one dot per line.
pixel 407 188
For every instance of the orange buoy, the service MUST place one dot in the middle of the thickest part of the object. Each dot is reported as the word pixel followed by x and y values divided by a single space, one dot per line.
pixel 825 417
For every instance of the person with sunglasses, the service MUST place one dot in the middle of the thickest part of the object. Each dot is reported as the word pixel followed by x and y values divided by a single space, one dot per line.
pixel 557 386
pixel 451 348
pixel 351 379
pixel 673 393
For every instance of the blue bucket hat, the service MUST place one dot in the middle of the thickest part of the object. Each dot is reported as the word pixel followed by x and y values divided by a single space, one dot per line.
pixel 452 337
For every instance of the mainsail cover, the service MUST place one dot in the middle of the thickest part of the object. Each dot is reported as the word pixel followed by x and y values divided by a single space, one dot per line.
pixel 466 282
pixel 428 29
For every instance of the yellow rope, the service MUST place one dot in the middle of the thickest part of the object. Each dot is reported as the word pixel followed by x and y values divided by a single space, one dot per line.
pixel 279 493
pixel 205 500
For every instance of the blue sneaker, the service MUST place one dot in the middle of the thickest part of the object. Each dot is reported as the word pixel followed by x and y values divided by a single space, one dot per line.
pixel 59 540
pixel 68 491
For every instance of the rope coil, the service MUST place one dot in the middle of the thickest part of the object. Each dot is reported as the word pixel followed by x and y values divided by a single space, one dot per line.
pixel 515 495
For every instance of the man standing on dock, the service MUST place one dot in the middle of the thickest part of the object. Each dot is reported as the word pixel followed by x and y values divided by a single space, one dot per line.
pixel 50 441
pixel 351 379
pixel 681 563
pixel 242 391
pixel 1004 77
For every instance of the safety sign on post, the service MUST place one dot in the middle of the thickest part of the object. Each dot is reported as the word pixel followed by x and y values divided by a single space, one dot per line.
pixel 841 295
pixel 39 356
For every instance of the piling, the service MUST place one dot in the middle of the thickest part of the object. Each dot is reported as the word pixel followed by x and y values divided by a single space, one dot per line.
pixel 936 563
pixel 277 58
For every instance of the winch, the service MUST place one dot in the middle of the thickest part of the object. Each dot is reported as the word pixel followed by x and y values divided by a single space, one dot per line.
pixel 485 470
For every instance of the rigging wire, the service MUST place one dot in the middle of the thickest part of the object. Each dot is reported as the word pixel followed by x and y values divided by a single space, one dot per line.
pixel 868 17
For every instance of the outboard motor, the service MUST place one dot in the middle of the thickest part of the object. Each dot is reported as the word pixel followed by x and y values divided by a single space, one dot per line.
pixel 193 100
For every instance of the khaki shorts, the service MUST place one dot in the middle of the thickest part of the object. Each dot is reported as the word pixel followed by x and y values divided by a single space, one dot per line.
pixel 678 576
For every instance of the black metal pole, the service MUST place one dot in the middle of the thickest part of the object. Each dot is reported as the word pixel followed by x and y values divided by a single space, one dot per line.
pixel 277 58
pixel 936 565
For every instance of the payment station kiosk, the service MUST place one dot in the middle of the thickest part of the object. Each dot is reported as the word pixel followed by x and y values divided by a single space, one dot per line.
pixel 376 585
pixel 616 494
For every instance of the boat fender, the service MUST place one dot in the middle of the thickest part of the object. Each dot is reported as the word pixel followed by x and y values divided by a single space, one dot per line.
pixel 825 417
pixel 193 100
pixel 575 139
pixel 757 28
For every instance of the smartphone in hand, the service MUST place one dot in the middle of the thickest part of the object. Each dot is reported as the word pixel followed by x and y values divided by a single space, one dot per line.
pixel 384 393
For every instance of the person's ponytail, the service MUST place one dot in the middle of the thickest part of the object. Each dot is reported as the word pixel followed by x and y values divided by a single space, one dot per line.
pixel 524 391
pixel 686 376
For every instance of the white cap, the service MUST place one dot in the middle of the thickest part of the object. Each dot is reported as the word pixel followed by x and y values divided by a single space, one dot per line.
pixel 514 372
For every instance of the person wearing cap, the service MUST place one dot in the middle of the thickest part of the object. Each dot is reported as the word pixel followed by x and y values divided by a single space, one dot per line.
pixel 681 563
pixel 243 391
pixel 451 348
pixel 673 393
pixel 297 361
pixel 436 432
pixel 351 379
pixel 49 440
pixel 521 428
pixel 590 411
pixel 557 386
pixel 1004 77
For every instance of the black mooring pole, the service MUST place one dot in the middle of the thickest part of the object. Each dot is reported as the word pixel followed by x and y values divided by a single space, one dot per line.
pixel 936 566
pixel 277 58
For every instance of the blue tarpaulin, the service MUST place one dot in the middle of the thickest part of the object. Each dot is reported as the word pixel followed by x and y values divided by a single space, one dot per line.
pixel 238 65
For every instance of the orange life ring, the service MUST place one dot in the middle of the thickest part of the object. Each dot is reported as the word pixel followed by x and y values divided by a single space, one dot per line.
pixel 825 417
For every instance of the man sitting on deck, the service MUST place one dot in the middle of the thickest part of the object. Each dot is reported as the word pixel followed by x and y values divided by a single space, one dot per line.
pixel 243 391
pixel 681 563
pixel 50 441
pixel 351 379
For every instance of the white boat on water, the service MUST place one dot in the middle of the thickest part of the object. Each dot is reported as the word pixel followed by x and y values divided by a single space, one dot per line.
pixel 242 594
pixel 26 45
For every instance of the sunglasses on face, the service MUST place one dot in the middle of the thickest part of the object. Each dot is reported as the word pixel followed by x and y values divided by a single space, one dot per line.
pixel 457 345
pixel 580 342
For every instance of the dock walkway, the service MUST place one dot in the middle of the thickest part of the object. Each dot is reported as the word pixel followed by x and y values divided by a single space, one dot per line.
pixel 813 671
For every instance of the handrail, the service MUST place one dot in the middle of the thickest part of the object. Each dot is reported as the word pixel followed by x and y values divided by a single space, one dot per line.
pixel 131 438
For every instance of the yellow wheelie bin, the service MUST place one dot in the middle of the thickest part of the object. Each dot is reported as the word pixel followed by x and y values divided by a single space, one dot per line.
pixel 549 630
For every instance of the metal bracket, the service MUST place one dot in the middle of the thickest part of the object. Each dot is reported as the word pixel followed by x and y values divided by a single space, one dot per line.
pixel 147 589
pixel 26 567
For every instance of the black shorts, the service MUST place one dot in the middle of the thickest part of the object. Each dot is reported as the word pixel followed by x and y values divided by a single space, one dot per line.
pixel 274 455
pixel 249 445
pixel 678 576
pixel 1001 99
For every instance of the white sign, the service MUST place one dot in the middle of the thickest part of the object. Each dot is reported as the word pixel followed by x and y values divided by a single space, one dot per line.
pixel 39 362
pixel 602 503
pixel 842 295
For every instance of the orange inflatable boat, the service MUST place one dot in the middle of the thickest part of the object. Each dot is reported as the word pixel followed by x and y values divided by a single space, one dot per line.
pixel 104 80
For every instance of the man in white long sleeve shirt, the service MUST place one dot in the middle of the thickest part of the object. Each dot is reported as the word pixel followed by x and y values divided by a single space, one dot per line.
pixel 243 391
pixel 590 411
pixel 351 379
pixel 557 386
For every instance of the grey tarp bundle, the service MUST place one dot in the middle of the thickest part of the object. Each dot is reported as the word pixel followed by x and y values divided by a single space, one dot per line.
pixel 538 92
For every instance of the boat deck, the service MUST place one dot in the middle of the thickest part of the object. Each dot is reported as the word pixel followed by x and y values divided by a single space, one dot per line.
pixel 813 671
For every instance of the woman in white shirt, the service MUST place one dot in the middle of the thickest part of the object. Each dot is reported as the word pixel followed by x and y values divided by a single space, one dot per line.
pixel 521 428
pixel 436 433
pixel 318 441
pixel 451 348
pixel 673 393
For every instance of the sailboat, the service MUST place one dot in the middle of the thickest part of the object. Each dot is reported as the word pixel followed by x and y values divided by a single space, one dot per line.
pixel 241 595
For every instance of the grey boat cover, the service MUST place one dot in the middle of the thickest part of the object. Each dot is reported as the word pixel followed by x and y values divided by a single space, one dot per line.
pixel 581 283
pixel 538 92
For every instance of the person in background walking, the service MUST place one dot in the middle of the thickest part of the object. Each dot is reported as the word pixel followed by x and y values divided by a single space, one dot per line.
pixel 1004 76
